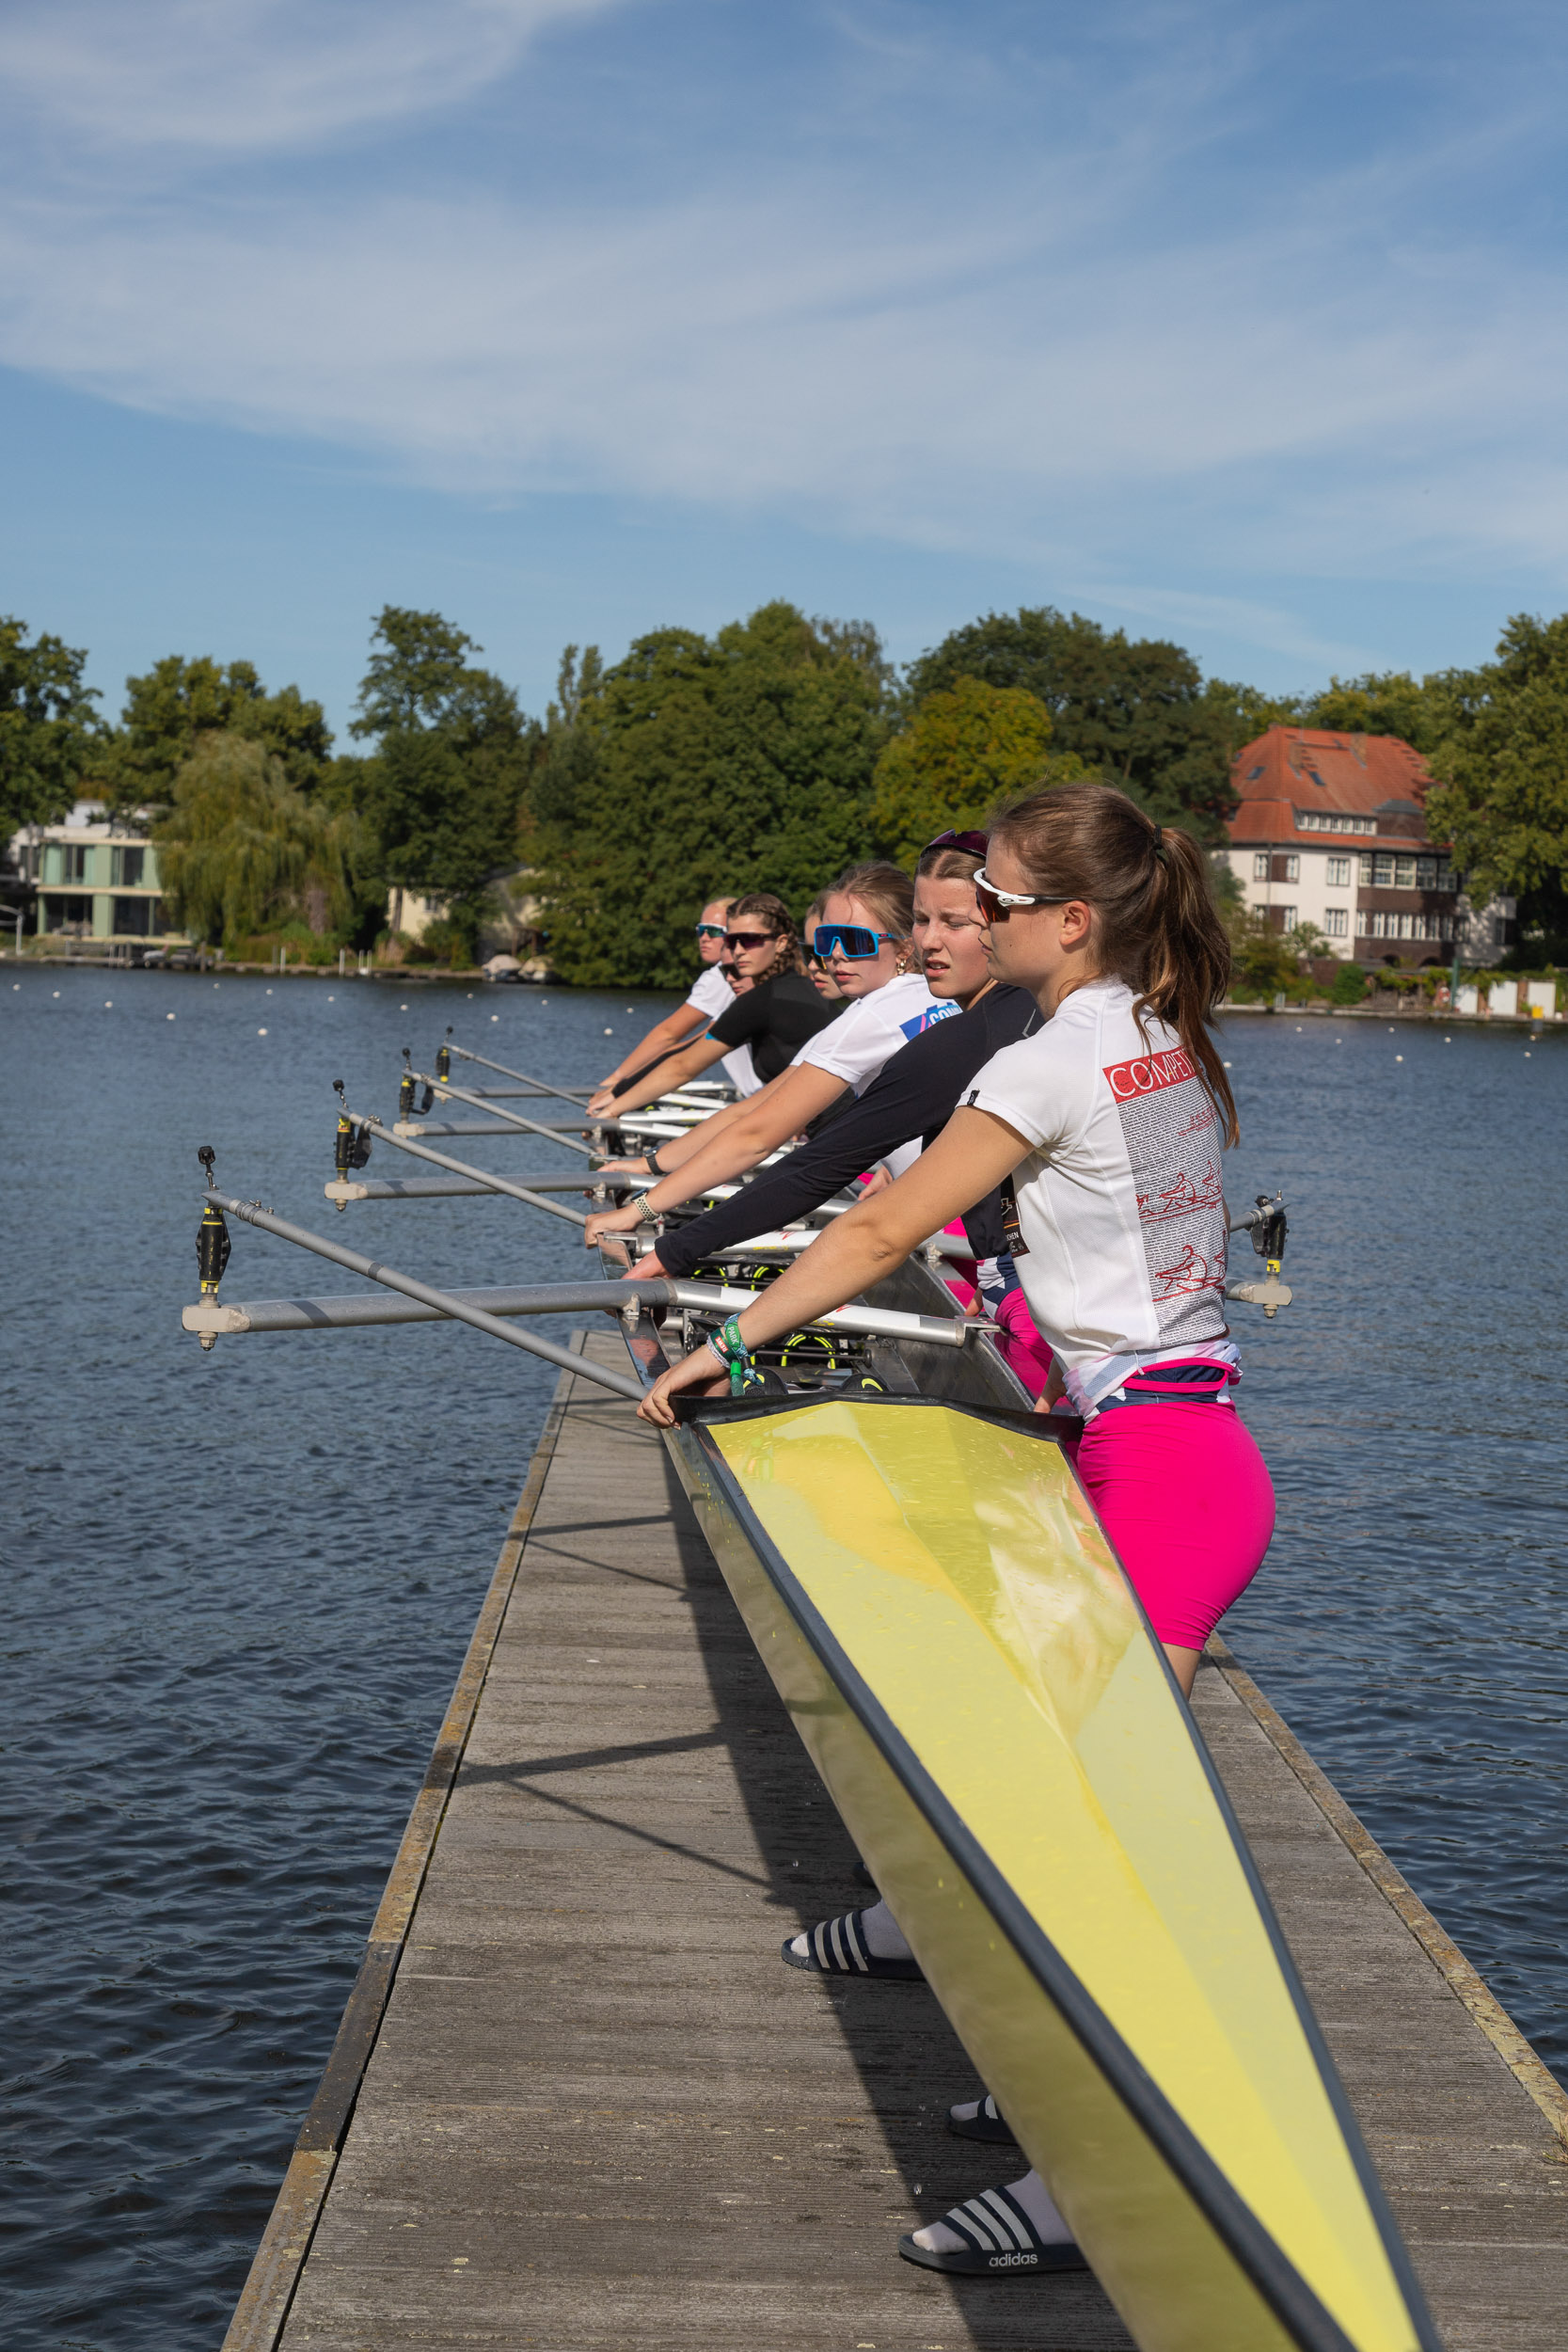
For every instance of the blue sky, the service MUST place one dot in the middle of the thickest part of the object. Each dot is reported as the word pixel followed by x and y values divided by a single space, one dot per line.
pixel 1239 323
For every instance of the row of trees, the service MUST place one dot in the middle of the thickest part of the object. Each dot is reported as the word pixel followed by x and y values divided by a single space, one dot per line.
pixel 768 755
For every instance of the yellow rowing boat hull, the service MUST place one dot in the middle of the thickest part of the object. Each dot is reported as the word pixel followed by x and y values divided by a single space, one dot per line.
pixel 979 1691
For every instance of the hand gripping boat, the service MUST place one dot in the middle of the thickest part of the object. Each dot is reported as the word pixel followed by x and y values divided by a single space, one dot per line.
pixel 980 1692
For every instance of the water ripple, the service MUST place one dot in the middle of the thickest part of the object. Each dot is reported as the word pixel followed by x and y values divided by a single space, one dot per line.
pixel 240 1586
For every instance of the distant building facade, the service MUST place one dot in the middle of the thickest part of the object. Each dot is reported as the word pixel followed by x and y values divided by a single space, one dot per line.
pixel 1331 831
pixel 93 878
pixel 510 927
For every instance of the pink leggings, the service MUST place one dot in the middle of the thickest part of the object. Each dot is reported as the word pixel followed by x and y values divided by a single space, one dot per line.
pixel 1187 1500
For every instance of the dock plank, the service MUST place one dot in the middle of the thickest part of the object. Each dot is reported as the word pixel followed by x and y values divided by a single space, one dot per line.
pixel 600 2112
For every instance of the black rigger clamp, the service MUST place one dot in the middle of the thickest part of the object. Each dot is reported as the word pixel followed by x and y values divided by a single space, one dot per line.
pixel 213 1244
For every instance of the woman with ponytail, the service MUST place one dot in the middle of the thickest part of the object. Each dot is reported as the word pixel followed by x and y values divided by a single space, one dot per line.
pixel 1107 1126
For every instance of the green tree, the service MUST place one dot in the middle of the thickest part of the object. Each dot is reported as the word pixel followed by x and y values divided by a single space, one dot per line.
pixel 417 674
pixel 572 748
pixel 173 707
pixel 1419 711
pixel 48 732
pixel 239 849
pixel 1243 712
pixel 1502 796
pixel 1134 709
pixel 443 791
pixel 965 748
pixel 696 765
pixel 1263 962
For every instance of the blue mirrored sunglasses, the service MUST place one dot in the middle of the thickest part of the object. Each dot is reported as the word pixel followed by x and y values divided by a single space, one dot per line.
pixel 709 930
pixel 852 941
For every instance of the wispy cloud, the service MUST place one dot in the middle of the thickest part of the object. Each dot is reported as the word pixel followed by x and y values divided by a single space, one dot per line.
pixel 236 76
pixel 1129 339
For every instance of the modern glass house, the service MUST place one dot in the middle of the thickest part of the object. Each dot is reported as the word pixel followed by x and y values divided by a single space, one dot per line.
pixel 96 878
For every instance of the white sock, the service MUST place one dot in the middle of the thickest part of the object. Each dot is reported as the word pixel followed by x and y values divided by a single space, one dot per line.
pixel 880 1930
pixel 937 2239
pixel 883 1938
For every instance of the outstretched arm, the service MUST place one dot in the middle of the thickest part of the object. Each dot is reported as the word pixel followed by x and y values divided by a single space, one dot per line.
pixel 670 1072
pixel 676 1029
pixel 974 1152
pixel 795 1097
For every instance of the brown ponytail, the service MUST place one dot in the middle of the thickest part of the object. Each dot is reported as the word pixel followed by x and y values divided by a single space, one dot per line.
pixel 1159 927
pixel 776 916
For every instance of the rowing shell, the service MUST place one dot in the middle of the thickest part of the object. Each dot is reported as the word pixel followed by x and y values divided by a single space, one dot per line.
pixel 983 1698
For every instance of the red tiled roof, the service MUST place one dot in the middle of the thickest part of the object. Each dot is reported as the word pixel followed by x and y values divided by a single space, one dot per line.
pixel 1347 775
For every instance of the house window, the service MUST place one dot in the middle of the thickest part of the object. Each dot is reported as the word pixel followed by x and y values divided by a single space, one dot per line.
pixel 73 914
pixel 74 862
pixel 1293 866
pixel 1363 924
pixel 1261 866
pixel 1383 870
pixel 1446 875
pixel 1287 918
pixel 1338 873
pixel 133 918
pixel 1336 919
pixel 1404 873
pixel 1426 873
pixel 125 869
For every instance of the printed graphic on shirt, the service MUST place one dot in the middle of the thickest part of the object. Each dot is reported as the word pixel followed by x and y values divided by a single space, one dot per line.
pixel 929 1019
pixel 1172 1140
pixel 1148 1074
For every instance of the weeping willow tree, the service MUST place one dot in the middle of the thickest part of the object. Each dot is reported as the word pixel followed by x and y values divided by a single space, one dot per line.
pixel 239 851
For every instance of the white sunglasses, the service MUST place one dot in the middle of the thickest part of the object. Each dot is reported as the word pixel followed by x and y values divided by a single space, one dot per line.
pixel 1003 901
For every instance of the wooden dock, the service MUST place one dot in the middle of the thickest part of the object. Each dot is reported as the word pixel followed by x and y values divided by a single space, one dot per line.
pixel 576 2101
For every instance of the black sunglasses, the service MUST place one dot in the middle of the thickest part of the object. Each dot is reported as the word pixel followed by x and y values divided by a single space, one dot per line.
pixel 748 939
pixel 976 843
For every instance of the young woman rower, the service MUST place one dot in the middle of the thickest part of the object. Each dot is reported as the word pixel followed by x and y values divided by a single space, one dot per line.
pixel 707 998
pixel 907 1105
pixel 867 939
pixel 816 971
pixel 1111 1123
pixel 779 1012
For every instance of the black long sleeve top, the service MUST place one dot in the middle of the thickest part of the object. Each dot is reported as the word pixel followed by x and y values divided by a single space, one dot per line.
pixel 915 1095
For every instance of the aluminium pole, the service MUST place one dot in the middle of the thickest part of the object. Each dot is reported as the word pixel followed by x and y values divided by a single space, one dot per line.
pixel 543 1085
pixel 512 1118
pixel 461 1168
pixel 427 1295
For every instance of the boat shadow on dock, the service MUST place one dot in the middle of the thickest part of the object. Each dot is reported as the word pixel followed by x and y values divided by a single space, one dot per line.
pixel 600 2111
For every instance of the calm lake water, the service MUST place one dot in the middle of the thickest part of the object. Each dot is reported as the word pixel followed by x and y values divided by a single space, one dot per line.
pixel 239 1586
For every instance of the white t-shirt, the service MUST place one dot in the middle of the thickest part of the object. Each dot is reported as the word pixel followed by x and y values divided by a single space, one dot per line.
pixel 712 995
pixel 871 1029
pixel 1120 1204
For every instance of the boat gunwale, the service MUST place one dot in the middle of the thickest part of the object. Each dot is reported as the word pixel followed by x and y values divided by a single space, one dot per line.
pixel 1049 1428
pixel 1293 2301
